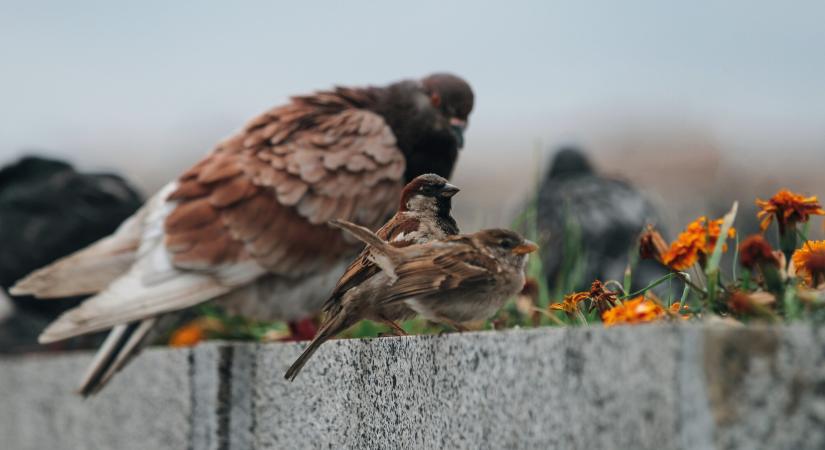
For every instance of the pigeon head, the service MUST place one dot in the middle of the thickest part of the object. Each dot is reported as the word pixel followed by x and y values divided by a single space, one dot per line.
pixel 453 98
pixel 428 118
pixel 506 245
pixel 570 161
pixel 428 192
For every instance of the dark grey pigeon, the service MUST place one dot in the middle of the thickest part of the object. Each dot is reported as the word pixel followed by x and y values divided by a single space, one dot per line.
pixel 48 210
pixel 590 224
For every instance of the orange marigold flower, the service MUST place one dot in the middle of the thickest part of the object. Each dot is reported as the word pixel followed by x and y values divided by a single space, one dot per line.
pixel 637 310
pixel 788 208
pixel 187 335
pixel 195 331
pixel 755 251
pixel 571 302
pixel 698 240
pixel 809 262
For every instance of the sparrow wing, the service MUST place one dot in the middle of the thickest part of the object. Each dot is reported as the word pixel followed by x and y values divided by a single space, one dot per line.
pixel 456 265
pixel 361 269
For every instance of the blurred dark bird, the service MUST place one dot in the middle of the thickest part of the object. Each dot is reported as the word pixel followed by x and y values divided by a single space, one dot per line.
pixel 48 210
pixel 455 280
pixel 247 225
pixel 590 225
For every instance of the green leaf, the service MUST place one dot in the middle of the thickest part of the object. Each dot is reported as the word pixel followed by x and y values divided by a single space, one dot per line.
pixel 727 223
pixel 650 286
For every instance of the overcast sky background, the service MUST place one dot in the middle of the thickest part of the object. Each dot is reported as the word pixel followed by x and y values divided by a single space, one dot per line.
pixel 147 87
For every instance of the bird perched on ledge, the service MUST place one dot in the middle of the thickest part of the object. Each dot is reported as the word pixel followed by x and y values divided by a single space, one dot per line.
pixel 248 224
pixel 458 279
pixel 423 215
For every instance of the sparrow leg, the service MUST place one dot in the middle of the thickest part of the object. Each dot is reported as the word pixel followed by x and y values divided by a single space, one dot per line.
pixel 452 323
pixel 397 330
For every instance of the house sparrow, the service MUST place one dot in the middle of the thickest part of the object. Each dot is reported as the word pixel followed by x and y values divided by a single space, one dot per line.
pixel 248 224
pixel 458 279
pixel 423 215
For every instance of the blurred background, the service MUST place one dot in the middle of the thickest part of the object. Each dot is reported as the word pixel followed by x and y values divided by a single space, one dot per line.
pixel 696 103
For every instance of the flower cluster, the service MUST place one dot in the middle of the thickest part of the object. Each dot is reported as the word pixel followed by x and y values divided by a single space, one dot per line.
pixel 771 285
pixel 695 243
pixel 601 299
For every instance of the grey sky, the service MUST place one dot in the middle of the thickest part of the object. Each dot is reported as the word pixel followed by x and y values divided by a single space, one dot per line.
pixel 149 86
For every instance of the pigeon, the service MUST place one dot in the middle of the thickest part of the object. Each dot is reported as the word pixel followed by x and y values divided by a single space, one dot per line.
pixel 464 278
pixel 590 224
pixel 48 210
pixel 247 225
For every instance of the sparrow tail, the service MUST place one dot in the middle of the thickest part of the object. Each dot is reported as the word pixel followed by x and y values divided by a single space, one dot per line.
pixel 299 363
pixel 383 254
pixel 363 234
pixel 337 322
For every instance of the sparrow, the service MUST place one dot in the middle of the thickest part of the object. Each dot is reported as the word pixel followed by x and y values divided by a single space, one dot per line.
pixel 247 225
pixel 423 215
pixel 590 216
pixel 458 279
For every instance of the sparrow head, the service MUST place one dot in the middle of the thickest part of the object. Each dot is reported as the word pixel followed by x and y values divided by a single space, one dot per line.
pixel 505 245
pixel 428 193
pixel 453 99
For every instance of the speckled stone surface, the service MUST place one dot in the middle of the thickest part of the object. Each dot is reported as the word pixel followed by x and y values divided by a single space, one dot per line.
pixel 651 387
pixel 146 406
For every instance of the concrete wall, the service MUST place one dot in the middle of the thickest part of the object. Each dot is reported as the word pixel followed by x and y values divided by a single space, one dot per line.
pixel 656 387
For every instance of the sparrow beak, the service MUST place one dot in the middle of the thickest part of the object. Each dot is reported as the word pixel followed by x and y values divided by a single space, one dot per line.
pixel 448 190
pixel 525 247
pixel 457 126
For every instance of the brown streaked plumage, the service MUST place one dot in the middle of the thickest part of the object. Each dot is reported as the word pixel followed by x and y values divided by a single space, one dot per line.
pixel 423 215
pixel 458 279
pixel 247 224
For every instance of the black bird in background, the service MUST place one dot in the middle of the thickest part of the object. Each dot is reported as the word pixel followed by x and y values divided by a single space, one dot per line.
pixel 48 210
pixel 590 225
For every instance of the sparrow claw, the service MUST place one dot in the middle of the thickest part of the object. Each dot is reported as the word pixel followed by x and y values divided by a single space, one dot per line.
pixel 395 329
pixel 453 324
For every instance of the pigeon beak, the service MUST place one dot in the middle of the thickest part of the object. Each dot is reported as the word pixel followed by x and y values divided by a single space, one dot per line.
pixel 457 126
pixel 525 247
pixel 448 190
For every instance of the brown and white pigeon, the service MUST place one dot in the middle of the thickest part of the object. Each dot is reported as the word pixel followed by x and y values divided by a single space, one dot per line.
pixel 247 225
